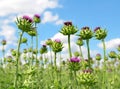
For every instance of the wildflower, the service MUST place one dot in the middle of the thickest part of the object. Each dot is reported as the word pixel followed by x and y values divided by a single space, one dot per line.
pixel 98 57
pixel 3 42
pixel 36 18
pixel 100 33
pixel 112 54
pixel 25 23
pixel 68 23
pixel 74 59
pixel 80 42
pixel 57 45
pixel 68 29
pixel 43 49
pixel 49 42
pixel 86 33
pixel 24 40
pixel 29 19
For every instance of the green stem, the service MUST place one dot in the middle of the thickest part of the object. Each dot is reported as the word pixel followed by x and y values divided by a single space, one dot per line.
pixel 104 69
pixel 81 54
pixel 88 50
pixel 3 51
pixel 51 55
pixel 36 42
pixel 55 59
pixel 69 48
pixel 17 60
pixel 32 49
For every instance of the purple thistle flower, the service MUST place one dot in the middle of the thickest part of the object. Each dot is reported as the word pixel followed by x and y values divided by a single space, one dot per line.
pixel 87 71
pixel 44 45
pixel 37 15
pixel 68 23
pixel 74 59
pixel 27 18
pixel 97 28
pixel 57 40
pixel 85 28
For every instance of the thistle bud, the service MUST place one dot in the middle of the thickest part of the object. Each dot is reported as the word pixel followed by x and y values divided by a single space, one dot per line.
pixel 32 32
pixel 9 59
pixel 36 18
pixel 43 49
pixel 100 33
pixel 24 40
pixel 35 51
pixel 3 42
pixel 57 46
pixel 25 51
pixel 98 57
pixel 118 48
pixel 112 54
pixel 25 23
pixel 86 33
pixel 49 42
pixel 80 42
pixel 68 29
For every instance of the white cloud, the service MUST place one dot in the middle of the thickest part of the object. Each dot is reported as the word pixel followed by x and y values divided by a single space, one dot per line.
pixel 111 44
pixel 49 17
pixel 8 32
pixel 8 7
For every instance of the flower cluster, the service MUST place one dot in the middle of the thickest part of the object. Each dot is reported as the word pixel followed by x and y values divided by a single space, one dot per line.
pixel 68 29
pixel 26 23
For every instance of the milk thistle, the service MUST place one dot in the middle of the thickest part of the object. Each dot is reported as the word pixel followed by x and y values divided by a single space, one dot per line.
pixel 68 29
pixel 86 34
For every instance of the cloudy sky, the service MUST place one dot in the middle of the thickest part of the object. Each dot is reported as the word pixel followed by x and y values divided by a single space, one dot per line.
pixel 92 13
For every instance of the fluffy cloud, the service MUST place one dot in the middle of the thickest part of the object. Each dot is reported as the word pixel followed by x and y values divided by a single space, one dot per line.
pixel 49 17
pixel 111 44
pixel 8 7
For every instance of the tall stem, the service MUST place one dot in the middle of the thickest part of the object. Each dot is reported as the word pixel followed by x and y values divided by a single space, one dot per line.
pixel 81 54
pixel 69 48
pixel 32 49
pixel 36 43
pixel 104 70
pixel 17 60
pixel 55 59
pixel 51 54
pixel 3 51
pixel 88 51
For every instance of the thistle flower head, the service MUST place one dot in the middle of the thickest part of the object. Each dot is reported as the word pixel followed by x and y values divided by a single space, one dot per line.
pixel 58 40
pixel 98 57
pixel 49 42
pixel 86 33
pixel 9 58
pixel 68 29
pixel 100 33
pixel 29 19
pixel 68 23
pixel 112 54
pixel 3 42
pixel 80 42
pixel 57 45
pixel 24 23
pixel 43 49
pixel 36 18
pixel 75 59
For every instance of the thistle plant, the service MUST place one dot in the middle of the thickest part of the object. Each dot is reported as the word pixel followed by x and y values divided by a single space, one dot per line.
pixel 68 29
pixel 100 34
pixel 86 34
pixel 80 43
pixel 57 46
pixel 37 20
pixel 49 43
pixel 112 54
pixel 3 42
pixel 24 24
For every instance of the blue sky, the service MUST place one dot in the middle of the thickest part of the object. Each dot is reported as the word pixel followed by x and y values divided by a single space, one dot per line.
pixel 92 13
